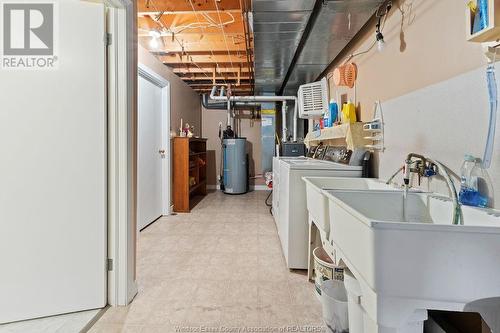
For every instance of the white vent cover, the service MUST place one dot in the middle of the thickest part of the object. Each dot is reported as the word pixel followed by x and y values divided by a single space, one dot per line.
pixel 313 99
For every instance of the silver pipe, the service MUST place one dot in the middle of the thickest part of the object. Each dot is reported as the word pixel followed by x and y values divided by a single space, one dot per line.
pixel 284 130
pixel 229 112
pixel 254 98
pixel 457 217
pixel 223 105
pixel 295 117
pixel 214 90
pixel 264 99
pixel 423 164
pixel 389 181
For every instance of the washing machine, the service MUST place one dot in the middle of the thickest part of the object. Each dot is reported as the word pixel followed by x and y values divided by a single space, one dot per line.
pixel 292 217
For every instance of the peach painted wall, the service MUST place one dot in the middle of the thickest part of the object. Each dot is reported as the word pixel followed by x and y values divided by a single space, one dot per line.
pixel 425 45
pixel 432 85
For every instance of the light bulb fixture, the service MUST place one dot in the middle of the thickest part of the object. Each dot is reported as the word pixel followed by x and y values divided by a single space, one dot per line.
pixel 378 32
pixel 379 37
pixel 380 41
pixel 155 36
pixel 153 43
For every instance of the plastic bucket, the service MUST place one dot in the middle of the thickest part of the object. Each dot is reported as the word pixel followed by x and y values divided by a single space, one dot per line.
pixel 356 311
pixel 325 269
pixel 335 308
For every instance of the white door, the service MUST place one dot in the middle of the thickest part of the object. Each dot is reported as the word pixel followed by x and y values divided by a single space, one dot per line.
pixel 152 152
pixel 53 169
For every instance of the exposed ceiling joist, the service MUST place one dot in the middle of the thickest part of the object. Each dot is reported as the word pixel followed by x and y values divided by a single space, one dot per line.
pixel 217 59
pixel 185 44
pixel 218 77
pixel 208 67
pixel 180 25
pixel 188 69
pixel 203 41
pixel 184 5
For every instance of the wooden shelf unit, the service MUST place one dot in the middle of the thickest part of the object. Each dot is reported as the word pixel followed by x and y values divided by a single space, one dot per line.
pixel 190 163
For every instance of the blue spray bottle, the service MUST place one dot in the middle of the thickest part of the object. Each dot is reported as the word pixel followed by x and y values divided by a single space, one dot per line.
pixel 481 19
pixel 333 112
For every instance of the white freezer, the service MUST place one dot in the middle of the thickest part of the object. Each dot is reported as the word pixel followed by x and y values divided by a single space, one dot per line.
pixel 276 180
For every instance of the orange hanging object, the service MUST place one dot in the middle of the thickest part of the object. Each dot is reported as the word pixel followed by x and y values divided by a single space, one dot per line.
pixel 345 75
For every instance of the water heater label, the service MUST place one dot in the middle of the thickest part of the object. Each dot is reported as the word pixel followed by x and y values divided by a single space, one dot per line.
pixel 267 121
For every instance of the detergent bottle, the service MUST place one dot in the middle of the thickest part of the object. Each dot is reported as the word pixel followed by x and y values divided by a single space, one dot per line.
pixel 332 114
pixel 471 174
pixel 349 113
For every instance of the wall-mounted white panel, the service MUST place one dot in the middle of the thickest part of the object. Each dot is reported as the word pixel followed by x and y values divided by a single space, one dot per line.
pixel 443 121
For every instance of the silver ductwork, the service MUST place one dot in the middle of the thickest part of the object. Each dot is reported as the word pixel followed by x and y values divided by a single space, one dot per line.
pixel 207 104
pixel 296 40
pixel 278 27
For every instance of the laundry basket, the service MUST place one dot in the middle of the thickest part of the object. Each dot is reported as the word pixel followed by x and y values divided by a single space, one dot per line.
pixel 325 269
pixel 335 308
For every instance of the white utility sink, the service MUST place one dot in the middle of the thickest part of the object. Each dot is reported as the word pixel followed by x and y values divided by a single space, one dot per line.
pixel 317 202
pixel 410 258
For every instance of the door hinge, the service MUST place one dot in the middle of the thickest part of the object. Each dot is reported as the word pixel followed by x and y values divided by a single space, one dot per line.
pixel 108 39
pixel 110 265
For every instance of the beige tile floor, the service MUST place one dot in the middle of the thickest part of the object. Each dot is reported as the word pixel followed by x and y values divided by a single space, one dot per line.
pixel 66 323
pixel 219 267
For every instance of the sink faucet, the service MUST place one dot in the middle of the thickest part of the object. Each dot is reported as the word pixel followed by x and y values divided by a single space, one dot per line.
pixel 426 167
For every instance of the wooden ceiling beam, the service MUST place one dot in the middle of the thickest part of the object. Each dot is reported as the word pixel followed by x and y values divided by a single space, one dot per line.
pixel 192 69
pixel 210 85
pixel 187 43
pixel 190 58
pixel 235 11
pixel 185 5
pixel 201 56
pixel 207 66
pixel 177 22
pixel 205 52
pixel 217 78
pixel 236 91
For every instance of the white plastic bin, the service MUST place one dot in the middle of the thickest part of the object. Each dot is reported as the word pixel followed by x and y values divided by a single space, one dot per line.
pixel 335 308
pixel 324 269
pixel 356 311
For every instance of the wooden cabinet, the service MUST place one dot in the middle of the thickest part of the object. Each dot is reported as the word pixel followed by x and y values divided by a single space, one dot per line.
pixel 190 172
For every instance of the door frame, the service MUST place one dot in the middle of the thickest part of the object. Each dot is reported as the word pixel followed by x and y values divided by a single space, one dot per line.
pixel 122 151
pixel 166 175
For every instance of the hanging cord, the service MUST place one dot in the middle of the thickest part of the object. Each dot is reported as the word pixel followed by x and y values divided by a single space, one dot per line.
pixel 382 18
pixel 492 91
pixel 270 205
pixel 267 199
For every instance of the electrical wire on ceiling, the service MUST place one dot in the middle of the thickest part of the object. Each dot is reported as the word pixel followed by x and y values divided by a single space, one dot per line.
pixel 382 18
pixel 223 33
pixel 248 46
pixel 211 50
pixel 201 25
pixel 209 22
pixel 157 19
